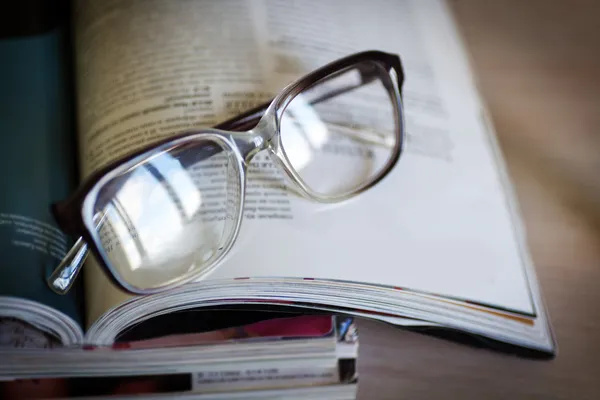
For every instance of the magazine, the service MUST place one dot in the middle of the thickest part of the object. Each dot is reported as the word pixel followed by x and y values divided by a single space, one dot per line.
pixel 438 243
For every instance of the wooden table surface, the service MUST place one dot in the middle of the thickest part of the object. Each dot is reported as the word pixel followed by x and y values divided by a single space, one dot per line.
pixel 538 66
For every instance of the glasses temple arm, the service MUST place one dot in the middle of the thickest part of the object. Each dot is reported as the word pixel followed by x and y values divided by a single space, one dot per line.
pixel 63 277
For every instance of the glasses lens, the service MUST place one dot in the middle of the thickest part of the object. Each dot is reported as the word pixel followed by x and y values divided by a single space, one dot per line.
pixel 340 134
pixel 169 216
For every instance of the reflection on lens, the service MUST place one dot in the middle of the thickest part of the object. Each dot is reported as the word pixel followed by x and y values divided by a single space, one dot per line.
pixel 341 133
pixel 167 216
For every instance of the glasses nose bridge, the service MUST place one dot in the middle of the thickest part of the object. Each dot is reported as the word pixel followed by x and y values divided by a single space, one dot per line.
pixel 267 128
pixel 259 138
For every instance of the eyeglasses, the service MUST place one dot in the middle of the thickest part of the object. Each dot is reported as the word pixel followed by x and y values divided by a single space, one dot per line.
pixel 170 212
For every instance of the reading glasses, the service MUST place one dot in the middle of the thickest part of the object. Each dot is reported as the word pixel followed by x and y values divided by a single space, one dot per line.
pixel 170 212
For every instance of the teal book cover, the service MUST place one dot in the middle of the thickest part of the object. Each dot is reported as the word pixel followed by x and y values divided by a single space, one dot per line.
pixel 37 140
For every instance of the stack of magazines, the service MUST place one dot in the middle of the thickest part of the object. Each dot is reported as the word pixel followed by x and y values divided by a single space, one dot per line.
pixel 273 353
pixel 394 204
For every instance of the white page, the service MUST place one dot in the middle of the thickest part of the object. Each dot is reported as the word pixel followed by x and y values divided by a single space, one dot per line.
pixel 137 62
pixel 438 223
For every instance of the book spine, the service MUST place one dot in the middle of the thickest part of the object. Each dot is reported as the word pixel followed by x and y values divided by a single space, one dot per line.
pixel 217 377
pixel 252 377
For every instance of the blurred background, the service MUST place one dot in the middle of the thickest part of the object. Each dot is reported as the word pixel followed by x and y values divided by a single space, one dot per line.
pixel 537 65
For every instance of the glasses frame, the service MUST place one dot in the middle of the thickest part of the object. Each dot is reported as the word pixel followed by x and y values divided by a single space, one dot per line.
pixel 243 136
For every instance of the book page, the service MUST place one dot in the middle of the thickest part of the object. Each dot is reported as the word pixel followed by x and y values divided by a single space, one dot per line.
pixel 149 69
pixel 38 164
pixel 439 223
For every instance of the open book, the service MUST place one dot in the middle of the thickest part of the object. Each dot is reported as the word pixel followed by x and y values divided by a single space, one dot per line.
pixel 438 243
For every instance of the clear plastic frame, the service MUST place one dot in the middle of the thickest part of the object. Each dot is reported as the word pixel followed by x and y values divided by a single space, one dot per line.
pixel 168 213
